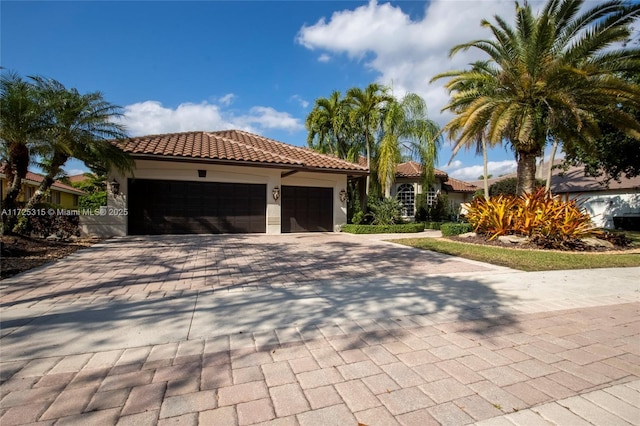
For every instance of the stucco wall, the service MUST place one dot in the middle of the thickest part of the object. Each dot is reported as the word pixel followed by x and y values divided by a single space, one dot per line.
pixel 68 200
pixel 603 206
pixel 146 169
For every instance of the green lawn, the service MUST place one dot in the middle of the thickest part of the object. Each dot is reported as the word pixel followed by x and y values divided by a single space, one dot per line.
pixel 527 260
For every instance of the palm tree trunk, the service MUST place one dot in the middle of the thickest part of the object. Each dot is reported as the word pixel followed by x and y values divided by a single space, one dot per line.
pixel 42 189
pixel 387 187
pixel 526 173
pixel 9 203
pixel 13 192
pixel 368 164
pixel 53 169
pixel 486 167
pixel 35 199
pixel 547 186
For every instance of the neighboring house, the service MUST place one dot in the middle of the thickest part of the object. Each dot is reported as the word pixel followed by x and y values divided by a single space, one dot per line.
pixel 614 206
pixel 408 185
pixel 226 182
pixel 60 194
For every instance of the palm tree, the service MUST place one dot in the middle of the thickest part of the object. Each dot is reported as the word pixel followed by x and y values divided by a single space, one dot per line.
pixel 328 126
pixel 405 125
pixel 80 126
pixel 467 86
pixel 555 77
pixel 20 124
pixel 366 114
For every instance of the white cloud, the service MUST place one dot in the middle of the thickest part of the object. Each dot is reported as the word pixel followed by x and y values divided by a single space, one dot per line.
pixel 496 168
pixel 324 58
pixel 151 117
pixel 406 52
pixel 269 118
pixel 299 99
pixel 227 99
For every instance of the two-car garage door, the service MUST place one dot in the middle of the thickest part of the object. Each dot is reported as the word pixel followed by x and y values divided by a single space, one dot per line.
pixel 179 207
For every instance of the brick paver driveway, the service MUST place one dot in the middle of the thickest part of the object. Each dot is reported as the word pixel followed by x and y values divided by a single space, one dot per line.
pixel 311 330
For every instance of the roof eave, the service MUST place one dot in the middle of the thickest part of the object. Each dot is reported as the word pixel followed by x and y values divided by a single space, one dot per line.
pixel 300 167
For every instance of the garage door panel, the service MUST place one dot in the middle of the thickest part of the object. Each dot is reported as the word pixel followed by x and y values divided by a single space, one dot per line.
pixel 307 209
pixel 176 207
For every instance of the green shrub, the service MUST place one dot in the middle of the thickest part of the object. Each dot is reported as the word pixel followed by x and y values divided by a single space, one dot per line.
pixel 44 225
pixel 440 209
pixel 387 211
pixel 358 218
pixel 433 225
pixel 450 229
pixel 383 229
pixel 422 208
pixel 509 186
pixel 93 201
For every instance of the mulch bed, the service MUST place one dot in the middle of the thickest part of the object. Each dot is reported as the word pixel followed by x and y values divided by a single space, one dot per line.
pixel 481 240
pixel 20 254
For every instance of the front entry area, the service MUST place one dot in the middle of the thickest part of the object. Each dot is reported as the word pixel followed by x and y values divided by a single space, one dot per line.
pixel 307 209
pixel 179 207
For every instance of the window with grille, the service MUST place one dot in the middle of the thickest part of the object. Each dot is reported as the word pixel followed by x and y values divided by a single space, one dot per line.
pixel 432 195
pixel 407 197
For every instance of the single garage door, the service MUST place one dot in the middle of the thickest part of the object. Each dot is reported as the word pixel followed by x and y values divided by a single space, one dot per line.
pixel 177 207
pixel 307 209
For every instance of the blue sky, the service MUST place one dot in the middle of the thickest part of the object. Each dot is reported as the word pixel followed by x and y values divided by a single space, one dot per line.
pixel 254 65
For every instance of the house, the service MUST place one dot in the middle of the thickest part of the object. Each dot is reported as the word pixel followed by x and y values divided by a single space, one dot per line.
pixel 228 181
pixel 408 185
pixel 60 194
pixel 614 206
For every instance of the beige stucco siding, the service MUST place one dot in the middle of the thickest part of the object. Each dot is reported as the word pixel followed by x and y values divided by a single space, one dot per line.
pixel 271 177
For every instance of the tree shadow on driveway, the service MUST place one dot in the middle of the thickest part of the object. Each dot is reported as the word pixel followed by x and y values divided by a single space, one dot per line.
pixel 205 286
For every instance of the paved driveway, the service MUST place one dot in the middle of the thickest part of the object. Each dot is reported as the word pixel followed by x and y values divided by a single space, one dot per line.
pixel 150 290
pixel 309 329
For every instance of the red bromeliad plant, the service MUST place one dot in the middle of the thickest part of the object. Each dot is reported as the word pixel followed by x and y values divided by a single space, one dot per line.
pixel 548 220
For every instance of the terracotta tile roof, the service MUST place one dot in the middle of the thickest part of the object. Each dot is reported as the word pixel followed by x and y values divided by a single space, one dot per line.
pixel 35 179
pixel 234 146
pixel 78 178
pixel 411 169
pixel 455 185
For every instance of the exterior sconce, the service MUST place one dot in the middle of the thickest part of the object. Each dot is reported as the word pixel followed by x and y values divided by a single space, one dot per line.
pixel 276 193
pixel 115 186
pixel 343 195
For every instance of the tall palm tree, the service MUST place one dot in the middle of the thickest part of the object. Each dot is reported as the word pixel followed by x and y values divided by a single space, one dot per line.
pixel 328 126
pixel 366 113
pixel 556 77
pixel 467 86
pixel 405 126
pixel 80 126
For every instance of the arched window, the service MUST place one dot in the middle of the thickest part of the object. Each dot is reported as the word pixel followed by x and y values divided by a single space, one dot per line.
pixel 407 197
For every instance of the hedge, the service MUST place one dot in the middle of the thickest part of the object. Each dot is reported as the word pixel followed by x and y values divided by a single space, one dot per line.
pixel 450 229
pixel 433 225
pixel 383 229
